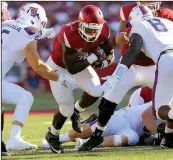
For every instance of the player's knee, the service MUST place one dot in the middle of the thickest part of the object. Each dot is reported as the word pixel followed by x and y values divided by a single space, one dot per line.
pixel 133 139
pixel 95 91
pixel 26 99
pixel 66 109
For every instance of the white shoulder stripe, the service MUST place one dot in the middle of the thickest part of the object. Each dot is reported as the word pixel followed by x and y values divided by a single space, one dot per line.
pixel 122 14
pixel 66 41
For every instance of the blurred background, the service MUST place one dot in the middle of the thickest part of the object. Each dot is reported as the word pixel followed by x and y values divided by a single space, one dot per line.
pixel 59 13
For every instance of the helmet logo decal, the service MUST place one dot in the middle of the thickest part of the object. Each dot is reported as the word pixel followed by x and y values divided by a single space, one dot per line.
pixel 34 12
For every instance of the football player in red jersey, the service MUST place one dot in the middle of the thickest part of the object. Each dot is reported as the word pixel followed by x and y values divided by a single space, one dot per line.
pixel 123 84
pixel 78 45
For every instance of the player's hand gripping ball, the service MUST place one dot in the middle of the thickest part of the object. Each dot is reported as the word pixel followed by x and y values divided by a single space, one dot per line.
pixel 101 62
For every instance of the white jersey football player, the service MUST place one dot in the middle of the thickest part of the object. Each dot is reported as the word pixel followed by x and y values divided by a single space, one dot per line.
pixel 154 36
pixel 19 40
pixel 124 128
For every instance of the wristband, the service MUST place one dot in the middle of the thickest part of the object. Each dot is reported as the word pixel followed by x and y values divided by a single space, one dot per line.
pixel 92 58
pixel 120 70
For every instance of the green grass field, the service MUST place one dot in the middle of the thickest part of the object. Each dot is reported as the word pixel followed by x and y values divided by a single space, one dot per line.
pixel 36 128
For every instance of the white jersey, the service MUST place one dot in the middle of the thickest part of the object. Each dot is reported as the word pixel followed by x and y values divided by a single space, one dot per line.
pixel 15 37
pixel 127 118
pixel 135 117
pixel 157 35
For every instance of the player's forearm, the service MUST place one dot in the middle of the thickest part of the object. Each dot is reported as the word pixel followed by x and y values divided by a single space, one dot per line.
pixel 45 71
pixel 77 66
pixel 115 140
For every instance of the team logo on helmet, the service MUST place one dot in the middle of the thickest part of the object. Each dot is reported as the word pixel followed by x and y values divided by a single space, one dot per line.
pixel 34 12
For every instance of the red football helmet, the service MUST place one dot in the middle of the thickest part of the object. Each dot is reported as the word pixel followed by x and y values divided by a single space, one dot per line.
pixel 90 23
pixel 5 13
pixel 152 5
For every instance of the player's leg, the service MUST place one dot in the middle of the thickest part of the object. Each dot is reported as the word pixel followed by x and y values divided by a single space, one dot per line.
pixel 14 94
pixel 64 97
pixel 86 99
pixel 145 75
pixel 163 96
pixel 88 81
pixel 107 106
pixel 72 135
pixel 3 147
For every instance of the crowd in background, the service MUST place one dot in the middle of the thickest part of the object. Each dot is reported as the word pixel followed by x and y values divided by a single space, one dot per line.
pixel 60 13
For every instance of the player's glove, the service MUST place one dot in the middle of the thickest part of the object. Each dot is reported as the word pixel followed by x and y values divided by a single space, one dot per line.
pixel 47 33
pixel 103 59
pixel 110 82
pixel 67 81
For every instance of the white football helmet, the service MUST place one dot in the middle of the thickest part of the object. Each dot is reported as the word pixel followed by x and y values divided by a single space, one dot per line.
pixel 140 13
pixel 32 14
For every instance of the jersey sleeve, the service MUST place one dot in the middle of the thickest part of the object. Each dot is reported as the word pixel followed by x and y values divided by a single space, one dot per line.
pixel 138 28
pixel 165 13
pixel 125 11
pixel 66 35
pixel 105 34
pixel 29 34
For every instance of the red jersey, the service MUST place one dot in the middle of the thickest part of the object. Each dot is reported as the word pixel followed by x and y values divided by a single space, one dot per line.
pixel 146 94
pixel 69 34
pixel 124 12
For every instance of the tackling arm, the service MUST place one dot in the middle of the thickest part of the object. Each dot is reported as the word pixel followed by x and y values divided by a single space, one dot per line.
pixel 136 43
pixel 37 64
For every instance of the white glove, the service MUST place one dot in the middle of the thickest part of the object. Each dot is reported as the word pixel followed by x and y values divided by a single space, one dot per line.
pixel 47 33
pixel 110 82
pixel 67 81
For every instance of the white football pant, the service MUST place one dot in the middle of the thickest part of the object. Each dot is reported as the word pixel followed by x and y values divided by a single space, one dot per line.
pixel 14 94
pixel 87 80
pixel 135 76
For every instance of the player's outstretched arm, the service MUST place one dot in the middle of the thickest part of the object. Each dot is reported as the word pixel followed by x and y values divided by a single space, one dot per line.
pixel 70 59
pixel 136 43
pixel 37 64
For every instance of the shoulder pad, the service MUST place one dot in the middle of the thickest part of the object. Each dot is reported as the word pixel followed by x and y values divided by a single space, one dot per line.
pixel 31 30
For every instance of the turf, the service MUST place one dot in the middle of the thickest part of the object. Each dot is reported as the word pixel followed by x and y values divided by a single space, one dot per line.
pixel 36 127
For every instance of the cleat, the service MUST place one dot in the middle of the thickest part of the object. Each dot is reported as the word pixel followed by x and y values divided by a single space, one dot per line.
pixel 17 144
pixel 93 142
pixel 4 150
pixel 90 119
pixel 167 141
pixel 79 142
pixel 55 144
pixel 76 124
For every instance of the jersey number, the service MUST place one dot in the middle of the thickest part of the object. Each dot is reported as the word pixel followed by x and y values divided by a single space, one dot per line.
pixel 158 25
pixel 4 35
